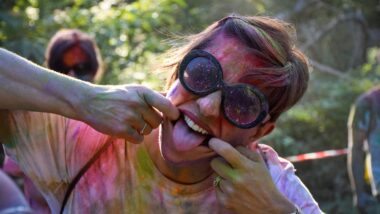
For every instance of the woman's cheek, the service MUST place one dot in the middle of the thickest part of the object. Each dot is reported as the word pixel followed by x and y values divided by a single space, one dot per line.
pixel 176 93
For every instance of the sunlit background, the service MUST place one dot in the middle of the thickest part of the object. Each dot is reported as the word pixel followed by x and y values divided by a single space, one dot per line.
pixel 341 38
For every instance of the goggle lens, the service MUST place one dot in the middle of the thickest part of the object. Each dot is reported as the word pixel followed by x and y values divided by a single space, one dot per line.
pixel 241 105
pixel 201 75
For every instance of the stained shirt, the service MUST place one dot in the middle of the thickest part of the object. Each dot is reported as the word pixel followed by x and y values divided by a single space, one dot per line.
pixel 51 150
pixel 365 116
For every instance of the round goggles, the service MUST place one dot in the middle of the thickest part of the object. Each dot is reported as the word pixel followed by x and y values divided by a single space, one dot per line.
pixel 243 105
pixel 80 69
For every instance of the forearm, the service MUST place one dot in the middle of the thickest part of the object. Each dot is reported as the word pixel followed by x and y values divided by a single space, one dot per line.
pixel 27 86
pixel 356 164
pixel 356 160
pixel 115 110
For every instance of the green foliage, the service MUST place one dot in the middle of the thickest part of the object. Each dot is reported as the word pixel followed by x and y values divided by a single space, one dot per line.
pixel 128 34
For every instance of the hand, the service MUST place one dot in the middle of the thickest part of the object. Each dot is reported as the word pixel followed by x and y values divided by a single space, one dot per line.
pixel 246 185
pixel 124 110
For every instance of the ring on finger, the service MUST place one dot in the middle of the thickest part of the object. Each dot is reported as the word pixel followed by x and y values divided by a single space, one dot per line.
pixel 217 181
pixel 143 129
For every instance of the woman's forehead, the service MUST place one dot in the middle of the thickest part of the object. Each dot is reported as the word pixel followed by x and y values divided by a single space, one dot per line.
pixel 234 57
pixel 74 55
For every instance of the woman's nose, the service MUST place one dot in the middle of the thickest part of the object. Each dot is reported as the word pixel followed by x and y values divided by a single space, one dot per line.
pixel 209 105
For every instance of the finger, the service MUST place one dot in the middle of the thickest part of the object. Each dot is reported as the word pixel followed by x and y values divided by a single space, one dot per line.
pixel 229 153
pixel 135 121
pixel 131 135
pixel 161 103
pixel 145 130
pixel 222 198
pixel 254 156
pixel 151 116
pixel 225 186
pixel 223 169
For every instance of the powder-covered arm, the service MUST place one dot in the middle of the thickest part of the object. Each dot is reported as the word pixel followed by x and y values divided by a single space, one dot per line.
pixel 116 110
pixel 27 86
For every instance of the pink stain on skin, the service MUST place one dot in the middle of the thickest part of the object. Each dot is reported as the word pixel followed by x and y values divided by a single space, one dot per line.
pixel 172 92
pixel 234 57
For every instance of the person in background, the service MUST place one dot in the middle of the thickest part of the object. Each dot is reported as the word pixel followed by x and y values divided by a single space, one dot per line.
pixel 73 53
pixel 364 150
pixel 190 151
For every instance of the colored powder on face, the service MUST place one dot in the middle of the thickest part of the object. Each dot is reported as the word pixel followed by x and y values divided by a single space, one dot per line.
pixel 173 91
pixel 73 56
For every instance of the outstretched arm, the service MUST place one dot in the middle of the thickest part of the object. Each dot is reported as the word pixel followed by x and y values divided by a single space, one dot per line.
pixel 116 110
pixel 27 86
pixel 356 163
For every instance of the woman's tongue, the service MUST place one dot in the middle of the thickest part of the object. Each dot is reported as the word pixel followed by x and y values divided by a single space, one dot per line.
pixel 185 138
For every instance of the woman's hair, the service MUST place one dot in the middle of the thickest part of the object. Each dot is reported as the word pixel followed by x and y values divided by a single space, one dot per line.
pixel 284 76
pixel 68 38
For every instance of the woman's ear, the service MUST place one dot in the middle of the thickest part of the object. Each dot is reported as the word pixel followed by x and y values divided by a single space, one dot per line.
pixel 267 128
pixel 263 130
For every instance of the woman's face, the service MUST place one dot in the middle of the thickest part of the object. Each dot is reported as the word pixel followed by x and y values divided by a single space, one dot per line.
pixel 77 64
pixel 185 141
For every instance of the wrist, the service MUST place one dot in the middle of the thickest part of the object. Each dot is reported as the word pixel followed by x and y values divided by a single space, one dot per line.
pixel 78 98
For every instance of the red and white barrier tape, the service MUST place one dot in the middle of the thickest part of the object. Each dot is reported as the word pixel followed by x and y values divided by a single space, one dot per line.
pixel 317 155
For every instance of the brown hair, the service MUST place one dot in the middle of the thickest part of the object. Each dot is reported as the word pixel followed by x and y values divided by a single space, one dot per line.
pixel 67 38
pixel 284 76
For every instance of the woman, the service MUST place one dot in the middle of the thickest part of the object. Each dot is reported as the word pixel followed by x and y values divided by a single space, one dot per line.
pixel 228 86
pixel 75 53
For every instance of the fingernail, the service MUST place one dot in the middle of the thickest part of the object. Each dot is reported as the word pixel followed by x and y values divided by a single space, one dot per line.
pixel 211 143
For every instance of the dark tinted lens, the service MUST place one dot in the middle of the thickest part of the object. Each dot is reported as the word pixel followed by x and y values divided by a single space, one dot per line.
pixel 200 75
pixel 60 68
pixel 241 104
pixel 82 69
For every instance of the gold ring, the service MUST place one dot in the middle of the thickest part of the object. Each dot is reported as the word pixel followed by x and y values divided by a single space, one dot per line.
pixel 143 129
pixel 217 181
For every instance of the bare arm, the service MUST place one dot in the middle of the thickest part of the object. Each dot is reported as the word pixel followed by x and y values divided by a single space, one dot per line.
pixel 356 159
pixel 115 110
pixel 27 86
pixel 357 135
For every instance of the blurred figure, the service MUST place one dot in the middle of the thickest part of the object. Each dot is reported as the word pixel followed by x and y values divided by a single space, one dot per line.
pixel 74 53
pixel 11 199
pixel 364 150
